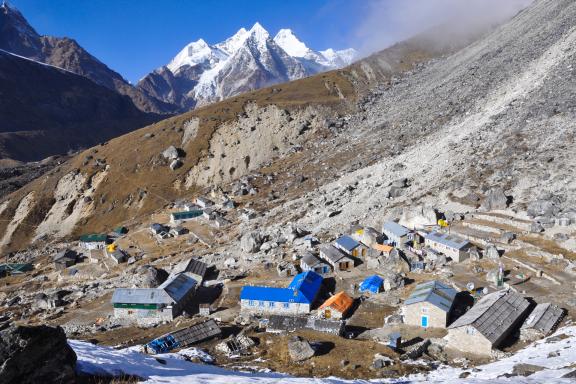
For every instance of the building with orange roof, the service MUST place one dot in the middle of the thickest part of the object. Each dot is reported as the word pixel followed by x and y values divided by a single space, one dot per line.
pixel 336 306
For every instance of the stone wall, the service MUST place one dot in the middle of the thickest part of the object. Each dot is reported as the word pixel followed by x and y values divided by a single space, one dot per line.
pixel 413 313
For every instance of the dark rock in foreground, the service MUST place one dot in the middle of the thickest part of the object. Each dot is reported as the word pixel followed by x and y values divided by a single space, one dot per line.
pixel 36 355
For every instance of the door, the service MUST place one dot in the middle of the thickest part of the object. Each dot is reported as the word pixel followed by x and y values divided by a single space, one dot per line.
pixel 424 321
pixel 327 313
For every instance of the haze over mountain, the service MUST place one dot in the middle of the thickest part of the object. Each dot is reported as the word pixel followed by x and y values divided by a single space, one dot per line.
pixel 250 59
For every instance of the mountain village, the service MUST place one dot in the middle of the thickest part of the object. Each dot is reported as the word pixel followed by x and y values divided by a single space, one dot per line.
pixel 436 286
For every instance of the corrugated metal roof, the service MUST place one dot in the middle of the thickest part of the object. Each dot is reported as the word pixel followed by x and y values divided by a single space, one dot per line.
pixel 196 267
pixel 186 215
pixel 347 243
pixel 449 240
pixel 435 293
pixel 311 260
pixel 340 301
pixel 94 238
pixel 494 315
pixel 178 286
pixel 332 253
pixel 303 289
pixel 307 284
pixel 372 284
pixel 395 228
pixel 544 318
pixel 140 296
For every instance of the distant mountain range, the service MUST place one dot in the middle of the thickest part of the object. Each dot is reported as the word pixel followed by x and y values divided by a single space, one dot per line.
pixel 56 97
pixel 251 59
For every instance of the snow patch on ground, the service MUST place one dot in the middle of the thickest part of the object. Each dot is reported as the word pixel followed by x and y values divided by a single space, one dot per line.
pixel 556 354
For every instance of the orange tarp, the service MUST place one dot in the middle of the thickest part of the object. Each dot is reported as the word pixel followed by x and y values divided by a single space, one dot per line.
pixel 340 302
pixel 383 248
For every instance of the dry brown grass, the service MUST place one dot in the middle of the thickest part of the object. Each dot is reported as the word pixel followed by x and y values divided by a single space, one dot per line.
pixel 549 246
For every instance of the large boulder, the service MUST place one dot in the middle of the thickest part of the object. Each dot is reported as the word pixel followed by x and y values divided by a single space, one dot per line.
pixel 495 199
pixel 43 301
pixel 299 349
pixel 418 217
pixel 543 207
pixel 30 355
pixel 251 242
pixel 153 277
pixel 491 252
pixel 171 153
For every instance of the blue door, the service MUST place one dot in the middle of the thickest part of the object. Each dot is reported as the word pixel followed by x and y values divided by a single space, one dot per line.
pixel 424 321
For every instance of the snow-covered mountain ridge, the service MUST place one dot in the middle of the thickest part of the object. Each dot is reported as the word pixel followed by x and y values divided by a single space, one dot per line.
pixel 250 59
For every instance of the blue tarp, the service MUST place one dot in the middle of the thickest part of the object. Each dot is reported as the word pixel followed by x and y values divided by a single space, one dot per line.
pixel 372 284
pixel 163 344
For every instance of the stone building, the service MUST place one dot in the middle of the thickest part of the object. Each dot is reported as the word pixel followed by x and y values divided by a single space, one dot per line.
pixel 396 234
pixel 336 307
pixel 542 321
pixel 429 305
pixel 350 246
pixel 336 258
pixel 488 323
pixel 152 305
pixel 309 262
pixel 450 245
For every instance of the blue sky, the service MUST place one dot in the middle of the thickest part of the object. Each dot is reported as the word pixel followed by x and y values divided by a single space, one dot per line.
pixel 135 36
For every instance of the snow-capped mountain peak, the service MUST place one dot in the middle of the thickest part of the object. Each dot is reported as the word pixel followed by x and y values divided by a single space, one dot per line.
pixel 286 39
pixel 259 34
pixel 231 45
pixel 194 53
pixel 248 60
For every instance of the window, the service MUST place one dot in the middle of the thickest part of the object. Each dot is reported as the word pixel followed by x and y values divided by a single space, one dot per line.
pixel 271 304
pixel 424 310
pixel 470 330
pixel 261 303
pixel 286 305
pixel 252 303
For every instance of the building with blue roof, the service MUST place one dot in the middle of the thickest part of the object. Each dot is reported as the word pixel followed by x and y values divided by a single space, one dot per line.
pixel 372 284
pixel 429 305
pixel 455 247
pixel 350 246
pixel 396 234
pixel 297 298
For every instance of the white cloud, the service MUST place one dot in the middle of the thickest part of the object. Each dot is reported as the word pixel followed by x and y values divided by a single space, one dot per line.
pixel 389 21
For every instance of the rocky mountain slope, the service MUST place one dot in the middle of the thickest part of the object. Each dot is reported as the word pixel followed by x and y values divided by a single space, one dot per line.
pixel 298 112
pixel 47 110
pixel 417 123
pixel 251 59
pixel 19 37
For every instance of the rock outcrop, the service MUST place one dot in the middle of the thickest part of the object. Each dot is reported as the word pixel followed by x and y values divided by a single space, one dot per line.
pixel 32 355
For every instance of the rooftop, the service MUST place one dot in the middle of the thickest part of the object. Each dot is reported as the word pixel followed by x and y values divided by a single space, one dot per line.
pixel 395 228
pixel 186 214
pixel 494 314
pixel 178 286
pixel 332 253
pixel 340 301
pixel 303 289
pixel 311 260
pixel 434 292
pixel 347 243
pixel 94 238
pixel 449 240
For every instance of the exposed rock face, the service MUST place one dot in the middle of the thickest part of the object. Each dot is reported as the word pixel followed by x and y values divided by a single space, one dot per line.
pixel 491 252
pixel 153 277
pixel 495 199
pixel 31 355
pixel 251 242
pixel 418 217
pixel 300 349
